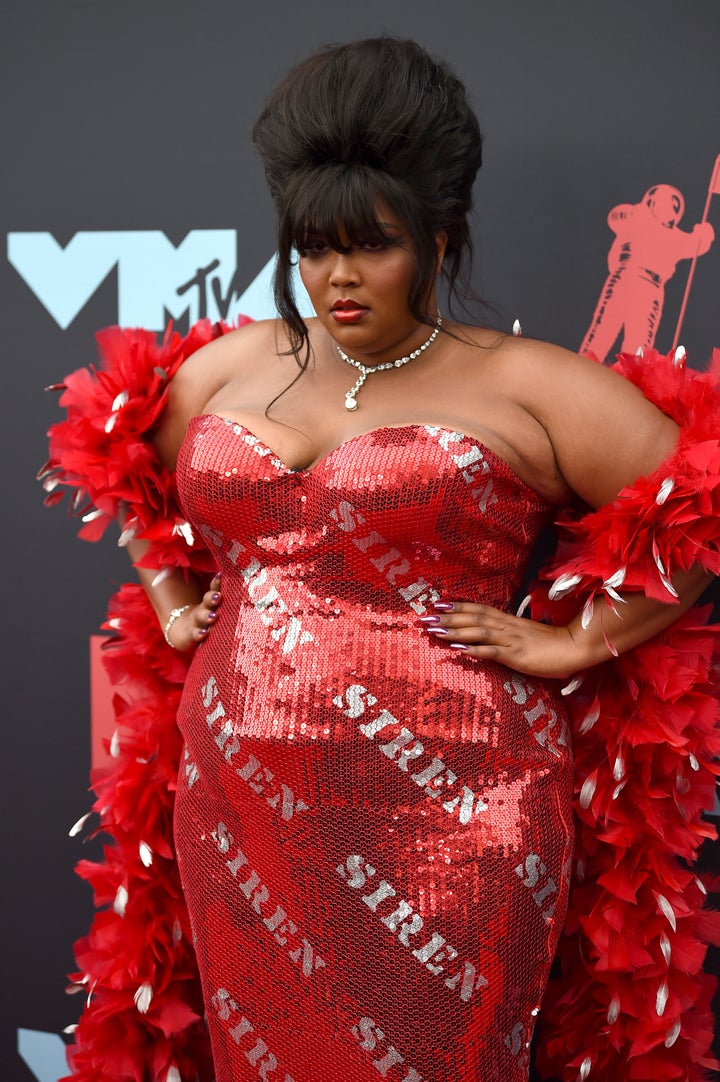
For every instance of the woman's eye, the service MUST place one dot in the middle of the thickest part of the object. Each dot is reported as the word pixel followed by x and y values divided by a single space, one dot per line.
pixel 374 245
pixel 315 247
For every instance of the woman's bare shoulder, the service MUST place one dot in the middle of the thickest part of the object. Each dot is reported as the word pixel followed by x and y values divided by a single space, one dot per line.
pixel 542 371
pixel 206 372
pixel 603 431
pixel 519 359
pixel 219 361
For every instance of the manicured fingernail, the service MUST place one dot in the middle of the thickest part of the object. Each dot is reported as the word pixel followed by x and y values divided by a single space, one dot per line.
pixel 436 631
pixel 218 574
pixel 429 620
pixel 203 631
pixel 444 606
pixel 458 646
pixel 212 616
pixel 214 597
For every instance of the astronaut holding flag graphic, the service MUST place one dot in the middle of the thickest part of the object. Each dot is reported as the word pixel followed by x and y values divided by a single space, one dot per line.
pixel 648 246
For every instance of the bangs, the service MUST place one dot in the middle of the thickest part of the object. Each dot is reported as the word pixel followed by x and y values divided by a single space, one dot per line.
pixel 338 204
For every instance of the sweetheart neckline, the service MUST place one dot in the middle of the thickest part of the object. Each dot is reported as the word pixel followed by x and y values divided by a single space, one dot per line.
pixel 413 426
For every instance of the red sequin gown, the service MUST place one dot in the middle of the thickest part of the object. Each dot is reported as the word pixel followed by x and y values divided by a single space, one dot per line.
pixel 373 830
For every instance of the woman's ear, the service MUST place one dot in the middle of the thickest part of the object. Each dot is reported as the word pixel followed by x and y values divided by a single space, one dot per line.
pixel 441 238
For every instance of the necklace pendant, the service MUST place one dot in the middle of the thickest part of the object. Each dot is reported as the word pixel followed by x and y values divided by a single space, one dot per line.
pixel 350 399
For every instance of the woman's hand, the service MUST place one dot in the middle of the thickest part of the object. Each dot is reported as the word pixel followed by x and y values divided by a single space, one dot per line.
pixel 526 646
pixel 196 622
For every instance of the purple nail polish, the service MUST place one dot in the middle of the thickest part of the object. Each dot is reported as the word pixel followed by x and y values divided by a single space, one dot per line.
pixel 214 597
pixel 429 619
pixel 458 646
pixel 203 631
pixel 212 616
pixel 437 631
pixel 444 606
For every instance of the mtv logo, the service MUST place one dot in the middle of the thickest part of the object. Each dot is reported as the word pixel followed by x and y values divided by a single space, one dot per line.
pixel 157 281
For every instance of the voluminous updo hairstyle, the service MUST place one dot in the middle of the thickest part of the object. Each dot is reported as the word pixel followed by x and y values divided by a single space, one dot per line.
pixel 372 121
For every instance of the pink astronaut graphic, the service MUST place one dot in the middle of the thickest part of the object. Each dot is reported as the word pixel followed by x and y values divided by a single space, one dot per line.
pixel 648 246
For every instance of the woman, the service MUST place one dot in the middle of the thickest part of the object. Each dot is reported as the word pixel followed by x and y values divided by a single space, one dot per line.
pixel 373 820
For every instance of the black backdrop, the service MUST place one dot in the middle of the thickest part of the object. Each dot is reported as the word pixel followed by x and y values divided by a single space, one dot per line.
pixel 136 116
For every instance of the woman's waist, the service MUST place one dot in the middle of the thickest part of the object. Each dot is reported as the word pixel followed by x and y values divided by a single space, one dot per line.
pixel 326 589
pixel 314 676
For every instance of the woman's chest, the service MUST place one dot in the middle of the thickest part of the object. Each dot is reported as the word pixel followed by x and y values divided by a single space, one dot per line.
pixel 392 489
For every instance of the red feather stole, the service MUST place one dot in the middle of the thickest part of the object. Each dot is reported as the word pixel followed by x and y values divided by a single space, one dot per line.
pixel 633 1001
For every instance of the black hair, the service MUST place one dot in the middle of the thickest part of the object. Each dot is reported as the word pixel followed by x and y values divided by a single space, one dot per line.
pixel 374 120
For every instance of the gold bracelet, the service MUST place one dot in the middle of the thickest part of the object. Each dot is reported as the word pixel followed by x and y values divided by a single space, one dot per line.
pixel 174 613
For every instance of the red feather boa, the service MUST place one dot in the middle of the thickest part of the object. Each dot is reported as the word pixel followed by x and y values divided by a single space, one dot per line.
pixel 144 1013
pixel 633 1002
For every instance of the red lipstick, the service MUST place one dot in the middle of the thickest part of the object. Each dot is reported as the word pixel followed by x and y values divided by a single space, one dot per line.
pixel 348 311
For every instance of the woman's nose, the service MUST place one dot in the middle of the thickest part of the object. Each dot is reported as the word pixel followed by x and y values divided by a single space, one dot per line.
pixel 344 270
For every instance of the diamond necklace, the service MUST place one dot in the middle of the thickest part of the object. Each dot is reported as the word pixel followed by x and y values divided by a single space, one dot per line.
pixel 351 395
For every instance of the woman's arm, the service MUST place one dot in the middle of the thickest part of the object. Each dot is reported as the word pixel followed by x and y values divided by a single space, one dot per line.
pixel 604 435
pixel 185 610
pixel 115 453
pixel 195 610
pixel 557 652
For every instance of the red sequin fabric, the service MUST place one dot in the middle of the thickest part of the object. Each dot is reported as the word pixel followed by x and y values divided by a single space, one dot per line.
pixel 373 830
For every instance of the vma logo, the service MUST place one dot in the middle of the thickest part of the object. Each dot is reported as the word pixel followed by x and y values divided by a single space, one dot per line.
pixel 43 1053
pixel 157 281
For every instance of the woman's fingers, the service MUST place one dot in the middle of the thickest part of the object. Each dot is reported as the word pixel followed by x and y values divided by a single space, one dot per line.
pixel 206 613
pixel 469 622
pixel 483 632
pixel 196 621
pixel 213 597
pixel 211 601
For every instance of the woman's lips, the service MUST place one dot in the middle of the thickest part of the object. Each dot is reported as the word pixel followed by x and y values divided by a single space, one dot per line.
pixel 349 315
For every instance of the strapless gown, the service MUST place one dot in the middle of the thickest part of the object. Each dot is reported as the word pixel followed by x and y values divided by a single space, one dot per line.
pixel 373 830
